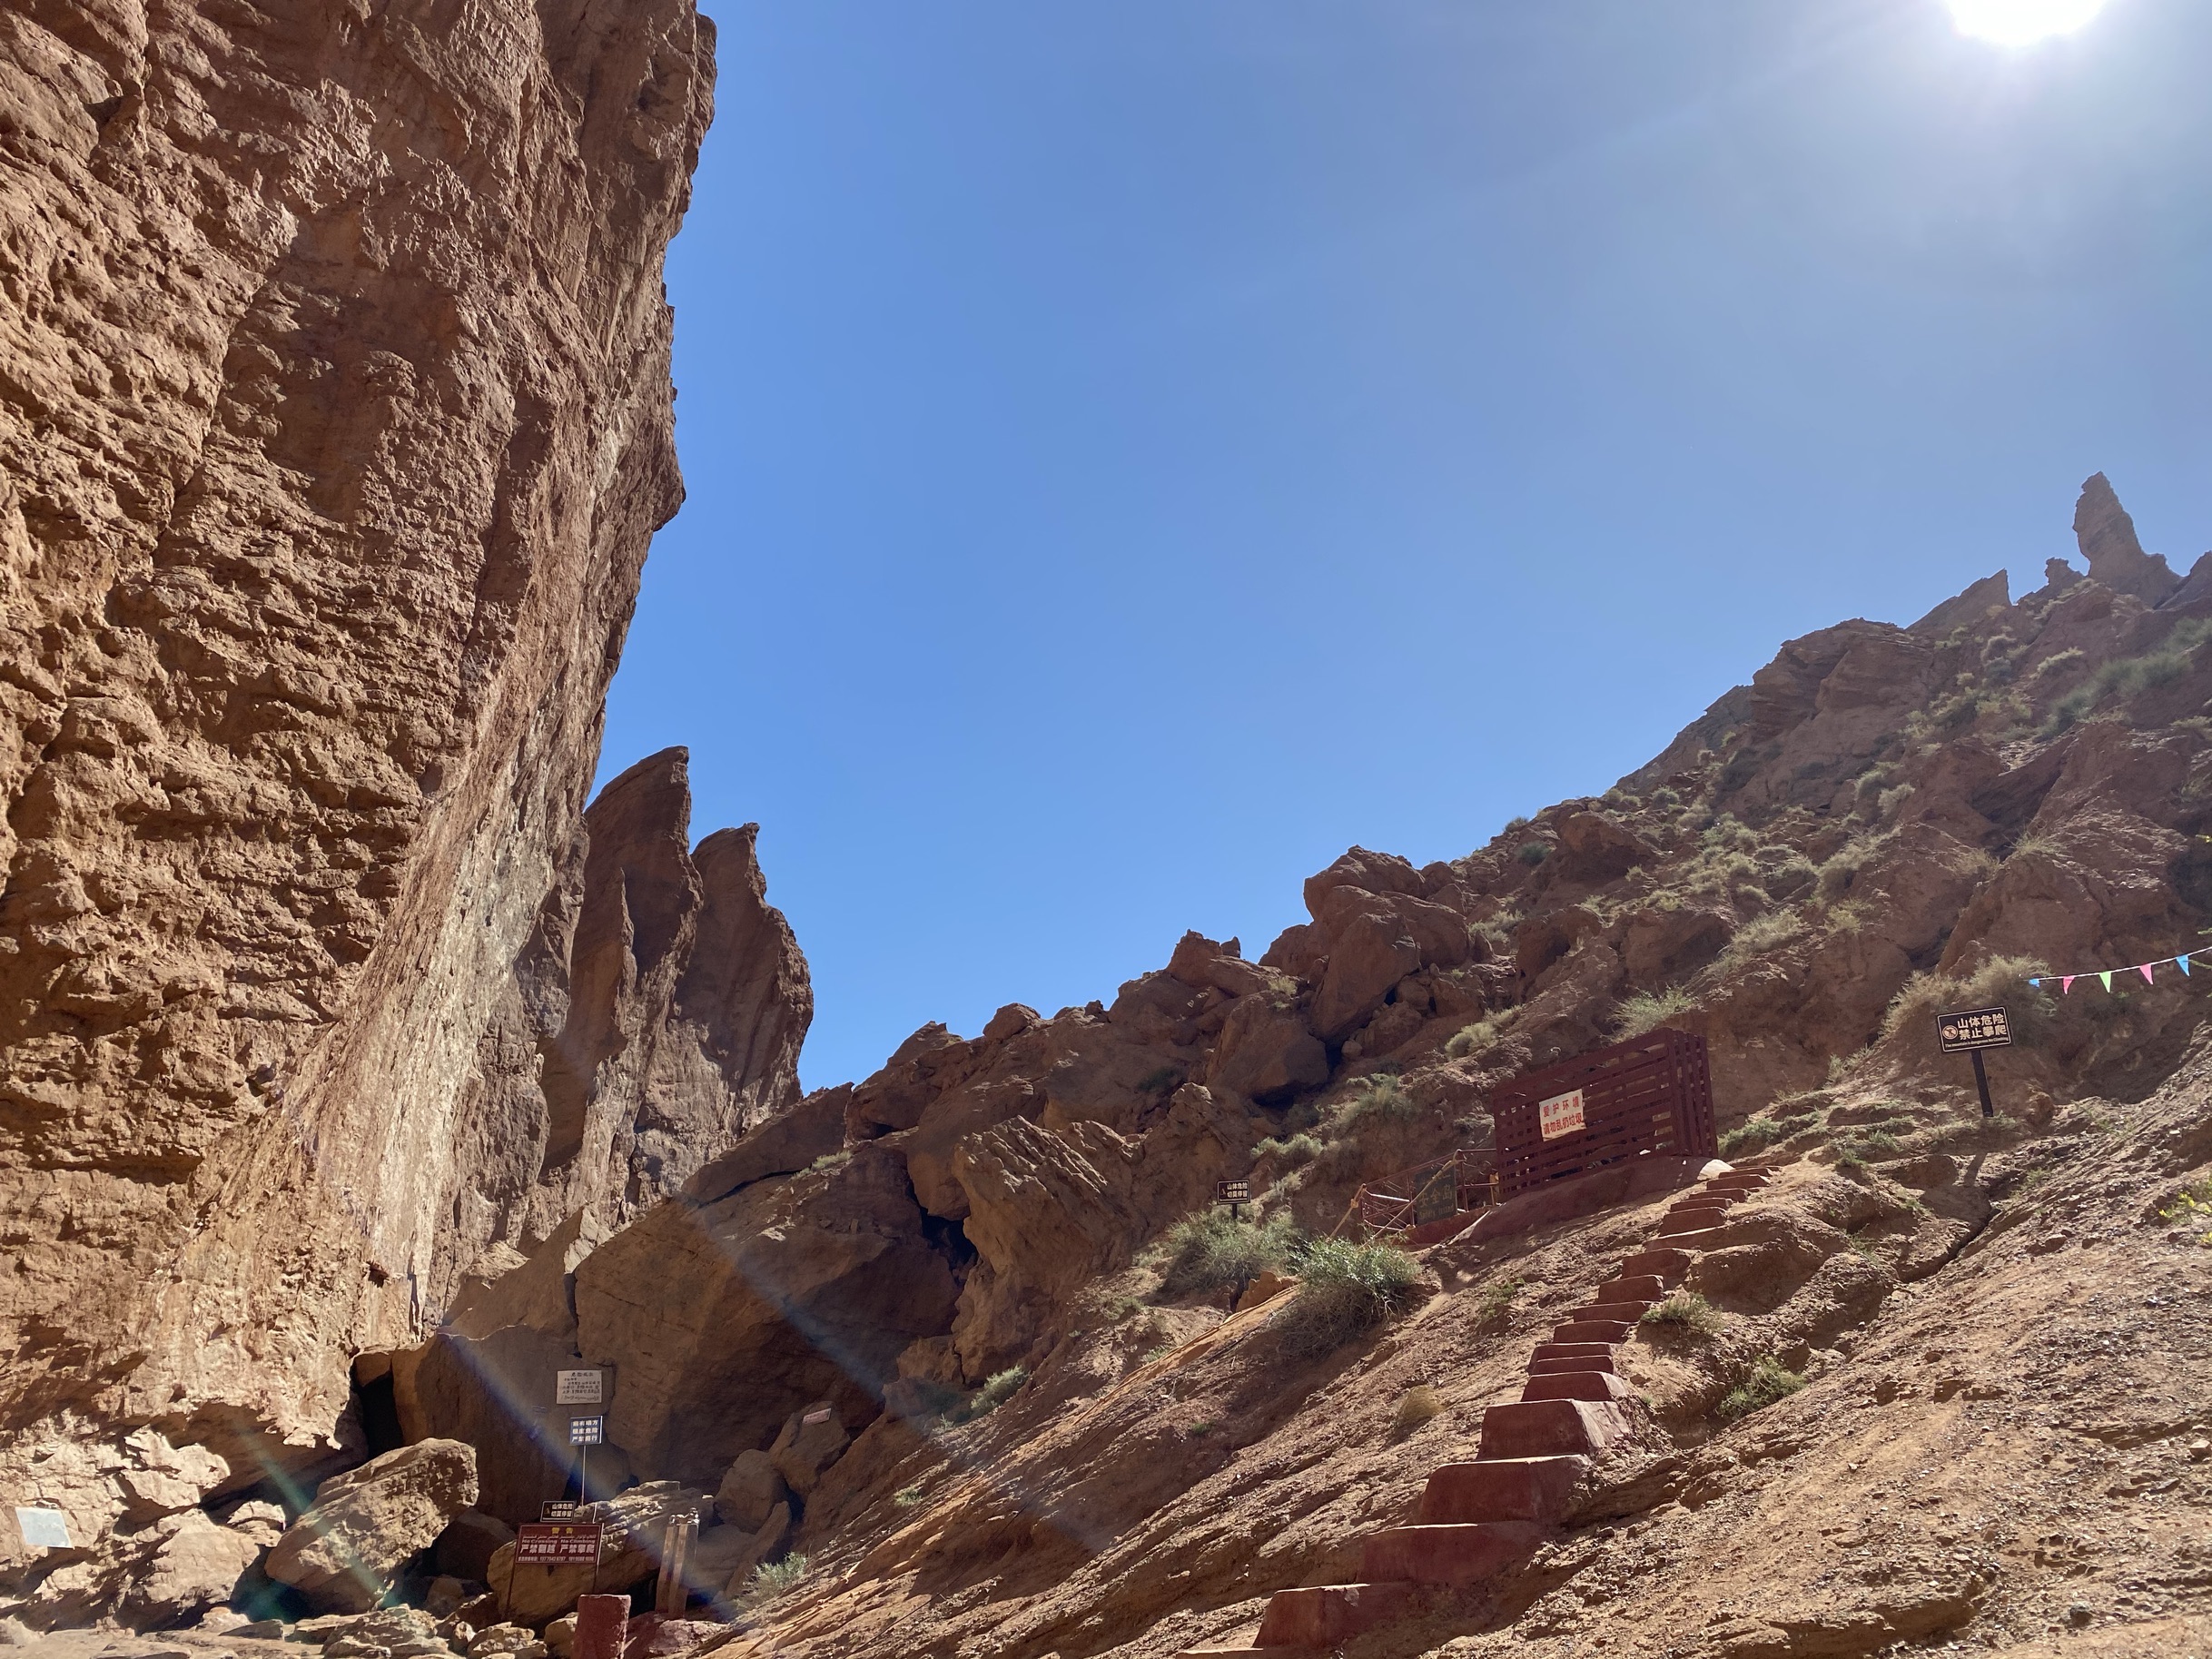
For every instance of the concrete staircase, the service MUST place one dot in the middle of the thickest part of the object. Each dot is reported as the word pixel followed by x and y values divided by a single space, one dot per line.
pixel 1478 1519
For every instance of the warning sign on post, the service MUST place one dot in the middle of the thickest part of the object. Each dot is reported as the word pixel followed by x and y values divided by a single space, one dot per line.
pixel 1973 1028
pixel 1560 1115
pixel 557 1544
pixel 577 1388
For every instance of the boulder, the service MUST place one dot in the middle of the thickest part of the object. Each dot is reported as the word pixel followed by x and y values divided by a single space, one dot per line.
pixel 1367 872
pixel 344 1553
pixel 1266 1054
pixel 750 1489
pixel 196 1568
pixel 810 1441
pixel 782 1146
pixel 1199 963
pixel 1594 848
pixel 1370 950
pixel 163 1479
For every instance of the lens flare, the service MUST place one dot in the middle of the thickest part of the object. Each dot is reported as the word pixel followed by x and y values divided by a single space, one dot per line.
pixel 2019 23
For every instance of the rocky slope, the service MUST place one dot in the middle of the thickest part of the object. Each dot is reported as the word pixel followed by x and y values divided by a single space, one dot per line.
pixel 1886 820
pixel 335 417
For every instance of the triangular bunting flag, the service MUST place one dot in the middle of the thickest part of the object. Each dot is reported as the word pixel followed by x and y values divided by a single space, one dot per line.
pixel 2182 961
pixel 2066 985
pixel 2145 972
pixel 2106 977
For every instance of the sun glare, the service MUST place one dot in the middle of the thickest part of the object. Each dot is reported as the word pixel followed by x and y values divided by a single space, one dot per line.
pixel 2018 23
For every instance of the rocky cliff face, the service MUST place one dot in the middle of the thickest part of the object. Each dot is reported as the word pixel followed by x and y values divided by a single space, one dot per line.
pixel 334 419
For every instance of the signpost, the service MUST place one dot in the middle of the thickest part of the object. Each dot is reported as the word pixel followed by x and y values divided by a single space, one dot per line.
pixel 1970 1031
pixel 1235 1194
pixel 1560 1115
pixel 558 1509
pixel 558 1544
pixel 584 1433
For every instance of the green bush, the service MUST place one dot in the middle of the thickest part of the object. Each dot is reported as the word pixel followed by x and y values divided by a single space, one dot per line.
pixel 2002 981
pixel 1292 1152
pixel 1382 1097
pixel 1497 1297
pixel 1212 1251
pixel 907 1497
pixel 1162 1080
pixel 1685 1310
pixel 830 1161
pixel 997 1389
pixel 1768 1382
pixel 772 1578
pixel 2191 1207
pixel 1533 853
pixel 1345 1289
pixel 1649 1010
pixel 1762 1131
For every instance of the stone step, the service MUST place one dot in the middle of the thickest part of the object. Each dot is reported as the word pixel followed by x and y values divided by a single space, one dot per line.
pixel 1669 1265
pixel 1523 1489
pixel 1245 1651
pixel 1628 1312
pixel 1700 1206
pixel 1549 1429
pixel 1593 1331
pixel 1649 1285
pixel 1679 1229
pixel 1325 1614
pixel 1572 1350
pixel 1447 1553
pixel 1571 1365
pixel 1577 1385
pixel 1743 1181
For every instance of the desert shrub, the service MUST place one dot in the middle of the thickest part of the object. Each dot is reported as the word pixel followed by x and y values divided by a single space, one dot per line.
pixel 1761 935
pixel 997 1389
pixel 2069 709
pixel 1533 853
pixel 1764 1130
pixel 1162 1080
pixel 1382 1097
pixel 1480 1037
pixel 1649 1010
pixel 2002 981
pixel 1665 797
pixel 830 1161
pixel 1838 874
pixel 2058 662
pixel 1726 834
pixel 1495 1298
pixel 1685 1311
pixel 1212 1250
pixel 772 1578
pixel 1515 826
pixel 1891 801
pixel 1345 1289
pixel 1843 916
pixel 1768 1382
pixel 906 1497
pixel 1296 1149
pixel 2191 1207
pixel 1416 1406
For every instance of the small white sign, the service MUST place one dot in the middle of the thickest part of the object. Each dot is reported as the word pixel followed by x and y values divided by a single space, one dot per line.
pixel 1560 1115
pixel 822 1416
pixel 578 1388
pixel 586 1431
pixel 43 1528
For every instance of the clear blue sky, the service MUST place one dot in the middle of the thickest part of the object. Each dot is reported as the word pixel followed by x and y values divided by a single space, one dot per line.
pixel 1138 448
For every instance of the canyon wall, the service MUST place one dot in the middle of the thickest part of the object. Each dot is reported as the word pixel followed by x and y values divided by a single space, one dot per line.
pixel 335 418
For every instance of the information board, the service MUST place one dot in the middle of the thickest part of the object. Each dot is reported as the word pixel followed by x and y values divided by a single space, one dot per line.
pixel 558 1544
pixel 578 1389
pixel 43 1528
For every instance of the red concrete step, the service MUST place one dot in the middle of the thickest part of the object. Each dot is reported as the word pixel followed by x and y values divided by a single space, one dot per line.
pixel 1448 1555
pixel 1529 1489
pixel 1627 1311
pixel 1547 1429
pixel 1237 1652
pixel 1648 1286
pixel 1572 1350
pixel 1325 1614
pixel 1678 1229
pixel 1753 1182
pixel 1577 1385
pixel 1700 1206
pixel 1668 1265
pixel 1569 1366
pixel 1612 1332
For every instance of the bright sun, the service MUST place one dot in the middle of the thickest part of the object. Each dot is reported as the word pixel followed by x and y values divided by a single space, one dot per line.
pixel 2016 23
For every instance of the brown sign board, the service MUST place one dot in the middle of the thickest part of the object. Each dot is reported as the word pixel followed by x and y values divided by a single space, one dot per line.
pixel 1232 1192
pixel 1652 1095
pixel 1973 1028
pixel 558 1544
pixel 559 1509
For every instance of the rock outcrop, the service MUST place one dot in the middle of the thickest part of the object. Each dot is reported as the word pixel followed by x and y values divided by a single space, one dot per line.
pixel 345 1552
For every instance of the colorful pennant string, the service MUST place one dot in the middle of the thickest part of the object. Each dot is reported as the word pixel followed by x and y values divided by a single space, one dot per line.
pixel 2104 976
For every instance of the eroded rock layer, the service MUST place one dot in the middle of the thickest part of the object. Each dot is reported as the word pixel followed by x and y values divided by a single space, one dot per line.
pixel 335 417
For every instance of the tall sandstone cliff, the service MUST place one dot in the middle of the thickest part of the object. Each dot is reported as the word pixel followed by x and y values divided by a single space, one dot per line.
pixel 335 418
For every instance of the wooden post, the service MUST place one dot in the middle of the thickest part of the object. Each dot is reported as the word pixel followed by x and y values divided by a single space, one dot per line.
pixel 669 1593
